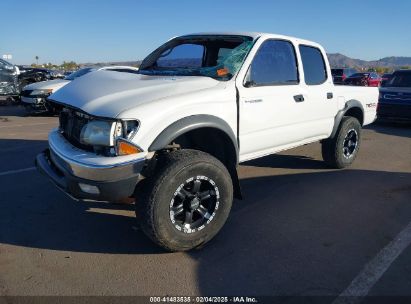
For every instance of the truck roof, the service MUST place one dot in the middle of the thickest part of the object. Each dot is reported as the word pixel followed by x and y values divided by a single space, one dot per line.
pixel 256 35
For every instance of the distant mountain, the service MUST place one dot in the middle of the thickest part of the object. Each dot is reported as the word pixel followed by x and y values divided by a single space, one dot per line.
pixel 100 64
pixel 339 60
pixel 336 60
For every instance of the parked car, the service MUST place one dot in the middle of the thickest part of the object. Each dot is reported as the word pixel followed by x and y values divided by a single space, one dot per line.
pixel 57 74
pixel 369 79
pixel 385 78
pixel 9 83
pixel 66 73
pixel 34 95
pixel 29 75
pixel 340 74
pixel 395 98
pixel 172 135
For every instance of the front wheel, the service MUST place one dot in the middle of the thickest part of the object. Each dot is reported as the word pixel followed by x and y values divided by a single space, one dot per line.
pixel 186 202
pixel 341 150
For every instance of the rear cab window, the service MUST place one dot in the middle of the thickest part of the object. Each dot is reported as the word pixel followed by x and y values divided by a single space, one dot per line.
pixel 315 70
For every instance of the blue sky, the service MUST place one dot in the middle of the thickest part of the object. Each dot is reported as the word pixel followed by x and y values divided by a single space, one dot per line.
pixel 116 30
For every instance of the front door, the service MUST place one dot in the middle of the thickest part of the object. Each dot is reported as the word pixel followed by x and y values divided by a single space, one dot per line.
pixel 271 100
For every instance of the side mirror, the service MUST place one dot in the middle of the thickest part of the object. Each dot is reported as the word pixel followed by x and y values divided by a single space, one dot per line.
pixel 249 84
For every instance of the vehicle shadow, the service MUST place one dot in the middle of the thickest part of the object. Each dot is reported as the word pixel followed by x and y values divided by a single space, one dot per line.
pixel 304 234
pixel 282 222
pixel 287 162
pixel 391 128
pixel 34 213
pixel 18 109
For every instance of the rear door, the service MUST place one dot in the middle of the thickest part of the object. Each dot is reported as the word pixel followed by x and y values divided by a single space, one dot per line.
pixel 320 103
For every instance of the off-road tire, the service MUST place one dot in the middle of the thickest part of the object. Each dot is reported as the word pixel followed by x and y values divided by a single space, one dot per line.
pixel 154 198
pixel 333 148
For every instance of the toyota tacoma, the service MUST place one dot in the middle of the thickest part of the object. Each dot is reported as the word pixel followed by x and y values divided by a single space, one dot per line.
pixel 171 136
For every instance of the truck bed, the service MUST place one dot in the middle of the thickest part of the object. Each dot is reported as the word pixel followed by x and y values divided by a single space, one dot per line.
pixel 367 96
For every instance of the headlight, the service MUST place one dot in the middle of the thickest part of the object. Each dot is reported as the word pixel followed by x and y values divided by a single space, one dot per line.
pixel 113 135
pixel 98 133
pixel 43 92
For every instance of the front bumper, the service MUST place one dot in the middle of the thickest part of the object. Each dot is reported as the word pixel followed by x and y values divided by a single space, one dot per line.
pixel 108 182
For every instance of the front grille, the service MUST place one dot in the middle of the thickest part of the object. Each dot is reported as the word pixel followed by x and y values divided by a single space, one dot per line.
pixel 71 124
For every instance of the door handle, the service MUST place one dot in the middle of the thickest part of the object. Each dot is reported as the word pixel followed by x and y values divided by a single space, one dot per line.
pixel 330 95
pixel 299 98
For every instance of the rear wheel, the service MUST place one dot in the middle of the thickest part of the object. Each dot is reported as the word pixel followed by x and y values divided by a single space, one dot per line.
pixel 341 150
pixel 186 202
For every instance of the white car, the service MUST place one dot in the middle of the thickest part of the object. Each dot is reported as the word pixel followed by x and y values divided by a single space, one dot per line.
pixel 171 137
pixel 34 95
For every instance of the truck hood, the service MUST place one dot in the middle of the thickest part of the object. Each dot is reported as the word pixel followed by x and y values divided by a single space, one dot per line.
pixel 108 93
pixel 50 84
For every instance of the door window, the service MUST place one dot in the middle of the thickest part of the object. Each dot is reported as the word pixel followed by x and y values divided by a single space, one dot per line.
pixel 274 63
pixel 315 71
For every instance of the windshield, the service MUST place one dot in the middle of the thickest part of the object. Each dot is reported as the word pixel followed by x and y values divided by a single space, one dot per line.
pixel 78 73
pixel 219 57
pixel 400 79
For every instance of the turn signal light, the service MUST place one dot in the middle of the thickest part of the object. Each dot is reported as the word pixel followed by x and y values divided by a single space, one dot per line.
pixel 126 148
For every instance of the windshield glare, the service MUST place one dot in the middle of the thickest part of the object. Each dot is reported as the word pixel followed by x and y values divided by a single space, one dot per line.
pixel 78 73
pixel 219 57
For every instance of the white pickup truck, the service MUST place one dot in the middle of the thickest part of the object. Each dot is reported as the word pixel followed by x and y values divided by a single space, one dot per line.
pixel 171 137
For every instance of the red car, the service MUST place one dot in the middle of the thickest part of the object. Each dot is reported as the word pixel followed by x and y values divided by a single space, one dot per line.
pixel 369 79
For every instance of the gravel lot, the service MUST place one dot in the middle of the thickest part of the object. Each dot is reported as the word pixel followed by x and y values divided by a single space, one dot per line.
pixel 302 229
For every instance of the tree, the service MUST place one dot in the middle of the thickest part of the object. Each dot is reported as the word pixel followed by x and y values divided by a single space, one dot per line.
pixel 382 70
pixel 37 60
pixel 69 66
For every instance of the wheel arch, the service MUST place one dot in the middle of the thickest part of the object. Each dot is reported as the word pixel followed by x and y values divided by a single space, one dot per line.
pixel 207 133
pixel 353 108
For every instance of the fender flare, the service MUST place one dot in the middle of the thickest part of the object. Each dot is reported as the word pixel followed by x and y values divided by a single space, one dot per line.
pixel 189 123
pixel 348 105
